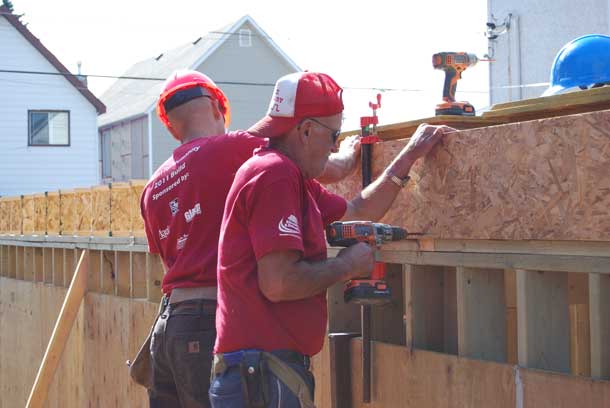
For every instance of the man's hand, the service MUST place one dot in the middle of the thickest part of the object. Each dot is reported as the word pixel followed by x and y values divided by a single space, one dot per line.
pixel 360 260
pixel 420 144
pixel 350 146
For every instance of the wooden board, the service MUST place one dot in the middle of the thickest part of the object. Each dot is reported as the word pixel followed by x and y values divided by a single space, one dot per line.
pixel 539 180
pixel 66 212
pixel 29 214
pixel 53 213
pixel 120 209
pixel 5 215
pixel 424 379
pixel 82 212
pixel 137 223
pixel 40 214
pixel 100 210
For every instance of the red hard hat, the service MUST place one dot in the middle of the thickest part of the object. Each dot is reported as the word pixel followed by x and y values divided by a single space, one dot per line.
pixel 186 79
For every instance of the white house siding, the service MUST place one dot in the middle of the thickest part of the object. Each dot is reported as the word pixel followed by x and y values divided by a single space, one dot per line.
pixel 525 54
pixel 23 169
pixel 259 63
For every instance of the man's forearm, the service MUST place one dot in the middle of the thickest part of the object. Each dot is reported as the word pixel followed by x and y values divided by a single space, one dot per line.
pixel 307 279
pixel 376 199
pixel 339 166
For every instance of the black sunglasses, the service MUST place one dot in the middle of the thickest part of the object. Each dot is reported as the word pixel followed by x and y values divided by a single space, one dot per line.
pixel 335 133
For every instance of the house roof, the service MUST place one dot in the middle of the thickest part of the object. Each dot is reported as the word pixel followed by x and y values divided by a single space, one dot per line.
pixel 14 21
pixel 129 98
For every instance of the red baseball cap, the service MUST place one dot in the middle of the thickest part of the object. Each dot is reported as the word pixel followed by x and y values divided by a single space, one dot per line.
pixel 296 97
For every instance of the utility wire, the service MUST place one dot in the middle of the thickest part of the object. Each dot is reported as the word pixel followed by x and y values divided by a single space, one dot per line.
pixel 240 83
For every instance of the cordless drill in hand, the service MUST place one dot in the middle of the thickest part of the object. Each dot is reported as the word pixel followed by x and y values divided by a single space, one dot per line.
pixel 453 63
pixel 372 291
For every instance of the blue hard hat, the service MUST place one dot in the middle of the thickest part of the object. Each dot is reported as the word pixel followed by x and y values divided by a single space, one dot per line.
pixel 582 63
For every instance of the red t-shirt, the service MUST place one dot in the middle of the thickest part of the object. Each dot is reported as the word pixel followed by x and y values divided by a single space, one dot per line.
pixel 271 207
pixel 182 206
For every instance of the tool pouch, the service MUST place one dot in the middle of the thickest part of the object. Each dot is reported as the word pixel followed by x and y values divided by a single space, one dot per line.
pixel 254 379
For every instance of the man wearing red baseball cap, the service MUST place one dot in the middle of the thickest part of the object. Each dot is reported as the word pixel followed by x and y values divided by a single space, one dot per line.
pixel 273 271
pixel 182 207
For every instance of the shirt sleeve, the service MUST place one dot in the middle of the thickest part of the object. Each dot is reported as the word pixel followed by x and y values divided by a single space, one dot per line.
pixel 150 237
pixel 275 216
pixel 332 206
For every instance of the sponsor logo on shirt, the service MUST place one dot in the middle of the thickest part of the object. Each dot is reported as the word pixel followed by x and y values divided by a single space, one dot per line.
pixel 173 206
pixel 190 214
pixel 182 241
pixel 164 233
pixel 289 227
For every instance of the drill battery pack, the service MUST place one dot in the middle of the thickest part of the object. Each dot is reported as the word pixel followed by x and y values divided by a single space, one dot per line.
pixel 367 292
pixel 455 108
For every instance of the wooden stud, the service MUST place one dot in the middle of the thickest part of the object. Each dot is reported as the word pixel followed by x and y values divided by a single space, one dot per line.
pixel 542 320
pixel 510 297
pixel 123 269
pixel 69 265
pixel 12 262
pixel 580 335
pixel 138 275
pixel 3 260
pixel 108 272
pixel 47 265
pixel 28 264
pixel 450 325
pixel 94 271
pixel 154 278
pixel 481 314
pixel 599 297
pixel 58 266
pixel 38 264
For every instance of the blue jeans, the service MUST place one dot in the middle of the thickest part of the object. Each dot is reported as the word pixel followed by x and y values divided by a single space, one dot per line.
pixel 226 389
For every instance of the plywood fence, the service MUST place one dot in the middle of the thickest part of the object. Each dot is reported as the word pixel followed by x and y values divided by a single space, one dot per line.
pixel 105 210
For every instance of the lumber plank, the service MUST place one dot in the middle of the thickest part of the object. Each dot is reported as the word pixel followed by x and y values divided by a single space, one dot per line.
pixel 47 264
pixel 599 297
pixel 542 319
pixel 137 273
pixel 38 264
pixel 108 272
pixel 538 180
pixel 580 334
pixel 69 310
pixel 100 210
pixel 123 273
pixel 154 277
pixel 120 209
pixel 481 314
pixel 510 297
pixel 53 213
pixel 58 266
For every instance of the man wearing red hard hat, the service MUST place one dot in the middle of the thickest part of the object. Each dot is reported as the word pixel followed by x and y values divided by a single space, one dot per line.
pixel 273 269
pixel 182 207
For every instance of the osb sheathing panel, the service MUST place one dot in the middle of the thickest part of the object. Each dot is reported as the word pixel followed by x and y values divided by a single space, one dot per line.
pixel 83 208
pixel 100 197
pixel 121 209
pixel 67 209
pixel 16 215
pixel 5 215
pixel 53 213
pixel 29 214
pixel 40 211
pixel 546 179
pixel 137 186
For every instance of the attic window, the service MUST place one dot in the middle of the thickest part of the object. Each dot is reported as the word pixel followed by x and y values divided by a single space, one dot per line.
pixel 245 38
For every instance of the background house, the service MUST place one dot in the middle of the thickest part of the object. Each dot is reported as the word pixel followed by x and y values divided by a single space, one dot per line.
pixel 241 58
pixel 530 33
pixel 47 117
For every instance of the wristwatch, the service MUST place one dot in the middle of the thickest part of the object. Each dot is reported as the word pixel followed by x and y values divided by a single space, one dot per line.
pixel 400 182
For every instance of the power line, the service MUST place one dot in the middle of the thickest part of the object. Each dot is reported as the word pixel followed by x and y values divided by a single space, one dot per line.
pixel 238 83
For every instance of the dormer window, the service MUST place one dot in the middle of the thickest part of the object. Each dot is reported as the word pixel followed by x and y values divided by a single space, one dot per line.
pixel 245 38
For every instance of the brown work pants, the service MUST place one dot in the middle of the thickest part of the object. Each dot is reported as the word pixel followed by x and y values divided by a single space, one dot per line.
pixel 181 350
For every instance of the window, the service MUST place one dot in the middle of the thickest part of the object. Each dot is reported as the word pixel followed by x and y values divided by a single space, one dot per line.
pixel 105 149
pixel 245 38
pixel 48 128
